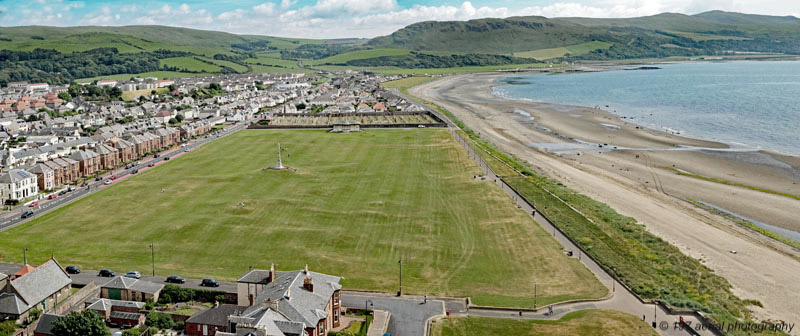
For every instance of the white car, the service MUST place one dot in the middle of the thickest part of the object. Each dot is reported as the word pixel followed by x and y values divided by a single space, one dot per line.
pixel 107 182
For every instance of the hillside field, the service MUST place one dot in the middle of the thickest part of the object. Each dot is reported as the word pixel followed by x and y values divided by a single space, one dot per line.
pixel 356 204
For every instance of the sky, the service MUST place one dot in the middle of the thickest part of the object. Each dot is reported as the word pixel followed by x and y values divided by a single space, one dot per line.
pixel 343 18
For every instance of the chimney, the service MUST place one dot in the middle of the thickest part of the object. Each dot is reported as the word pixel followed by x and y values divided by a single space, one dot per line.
pixel 305 270
pixel 308 284
pixel 271 273
pixel 271 304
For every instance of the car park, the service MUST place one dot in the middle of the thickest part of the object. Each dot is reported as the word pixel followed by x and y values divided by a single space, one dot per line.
pixel 133 274
pixel 106 273
pixel 72 269
pixel 176 279
pixel 33 204
pixel 209 283
pixel 27 214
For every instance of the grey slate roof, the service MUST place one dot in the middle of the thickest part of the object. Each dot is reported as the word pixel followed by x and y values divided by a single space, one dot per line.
pixel 121 282
pixel 11 304
pixel 34 287
pixel 217 316
pixel 106 304
pixel 46 324
pixel 293 301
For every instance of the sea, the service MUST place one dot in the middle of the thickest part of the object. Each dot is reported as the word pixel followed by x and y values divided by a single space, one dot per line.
pixel 748 103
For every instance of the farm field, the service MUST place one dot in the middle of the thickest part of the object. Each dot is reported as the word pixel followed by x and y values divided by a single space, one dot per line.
pixel 158 74
pixel 356 204
pixel 574 50
pixel 580 323
pixel 359 54
pixel 190 63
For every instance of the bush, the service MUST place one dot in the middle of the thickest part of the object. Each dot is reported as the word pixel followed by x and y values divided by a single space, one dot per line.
pixel 159 320
pixel 7 328
pixel 175 294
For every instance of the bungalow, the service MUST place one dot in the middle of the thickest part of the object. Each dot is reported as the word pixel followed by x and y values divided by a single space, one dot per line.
pixel 211 321
pixel 129 289
pixel 379 107
pixel 105 307
pixel 40 288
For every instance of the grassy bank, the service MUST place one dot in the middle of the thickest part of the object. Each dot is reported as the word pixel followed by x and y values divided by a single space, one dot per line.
pixel 580 323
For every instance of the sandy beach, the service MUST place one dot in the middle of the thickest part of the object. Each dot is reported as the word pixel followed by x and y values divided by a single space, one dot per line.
pixel 634 170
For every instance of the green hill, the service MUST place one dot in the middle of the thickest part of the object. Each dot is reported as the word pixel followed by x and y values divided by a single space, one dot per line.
pixel 666 34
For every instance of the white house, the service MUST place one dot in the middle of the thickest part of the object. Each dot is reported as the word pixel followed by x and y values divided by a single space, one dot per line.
pixel 18 184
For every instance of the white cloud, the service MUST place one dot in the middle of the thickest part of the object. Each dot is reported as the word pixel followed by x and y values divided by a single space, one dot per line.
pixel 339 8
pixel 285 4
pixel 267 8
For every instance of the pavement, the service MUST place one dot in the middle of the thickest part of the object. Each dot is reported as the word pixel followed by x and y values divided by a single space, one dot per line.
pixel 409 315
pixel 13 217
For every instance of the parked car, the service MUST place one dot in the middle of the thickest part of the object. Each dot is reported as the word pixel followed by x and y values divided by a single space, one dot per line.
pixel 135 171
pixel 107 182
pixel 135 164
pixel 209 283
pixel 113 177
pixel 33 204
pixel 72 269
pixel 166 158
pixel 27 214
pixel 70 188
pixel 133 274
pixel 176 279
pixel 106 273
pixel 151 165
pixel 186 150
pixel 84 184
pixel 99 178
pixel 128 166
pixel 156 155
pixel 64 192
pixel 52 197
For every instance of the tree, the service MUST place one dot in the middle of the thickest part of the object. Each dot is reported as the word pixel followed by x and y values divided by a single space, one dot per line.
pixel 159 320
pixel 179 117
pixel 86 323
pixel 131 332
pixel 7 328
pixel 65 96
pixel 301 106
pixel 215 86
pixel 172 121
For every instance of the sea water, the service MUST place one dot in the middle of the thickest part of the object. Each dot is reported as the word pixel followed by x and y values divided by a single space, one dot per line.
pixel 750 103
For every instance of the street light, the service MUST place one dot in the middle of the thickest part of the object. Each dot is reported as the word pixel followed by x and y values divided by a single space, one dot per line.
pixel 365 306
pixel 534 295
pixel 153 257
pixel 400 262
pixel 25 256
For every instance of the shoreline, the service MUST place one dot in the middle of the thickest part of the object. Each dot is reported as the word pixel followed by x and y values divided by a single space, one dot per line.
pixel 497 83
pixel 640 182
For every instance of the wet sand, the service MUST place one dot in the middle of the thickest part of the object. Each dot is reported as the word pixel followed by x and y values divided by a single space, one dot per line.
pixel 633 169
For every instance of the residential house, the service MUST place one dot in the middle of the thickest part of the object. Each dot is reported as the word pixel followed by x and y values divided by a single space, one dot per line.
pixel 89 162
pixel 211 321
pixel 18 184
pixel 289 303
pixel 105 307
pixel 40 288
pixel 45 325
pixel 125 149
pixel 130 289
pixel 109 158
pixel 45 176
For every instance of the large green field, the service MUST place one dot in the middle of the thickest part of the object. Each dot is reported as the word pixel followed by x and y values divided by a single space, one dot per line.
pixel 580 323
pixel 356 204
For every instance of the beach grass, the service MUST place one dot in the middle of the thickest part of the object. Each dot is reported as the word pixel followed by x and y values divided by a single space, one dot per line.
pixel 357 204
pixel 580 323
pixel 716 180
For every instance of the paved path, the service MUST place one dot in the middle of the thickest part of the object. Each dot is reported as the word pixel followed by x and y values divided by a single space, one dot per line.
pixel 12 218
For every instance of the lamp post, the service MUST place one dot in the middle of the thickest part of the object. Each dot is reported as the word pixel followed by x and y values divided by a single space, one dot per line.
pixel 368 301
pixel 25 256
pixel 534 295
pixel 153 257
pixel 400 262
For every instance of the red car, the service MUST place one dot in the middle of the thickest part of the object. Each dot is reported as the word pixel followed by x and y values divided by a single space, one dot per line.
pixel 151 165
pixel 33 204
pixel 113 177
pixel 52 197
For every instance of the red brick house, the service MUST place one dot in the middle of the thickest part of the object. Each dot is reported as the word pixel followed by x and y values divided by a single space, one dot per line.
pixel 89 162
pixel 109 158
pixel 125 149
